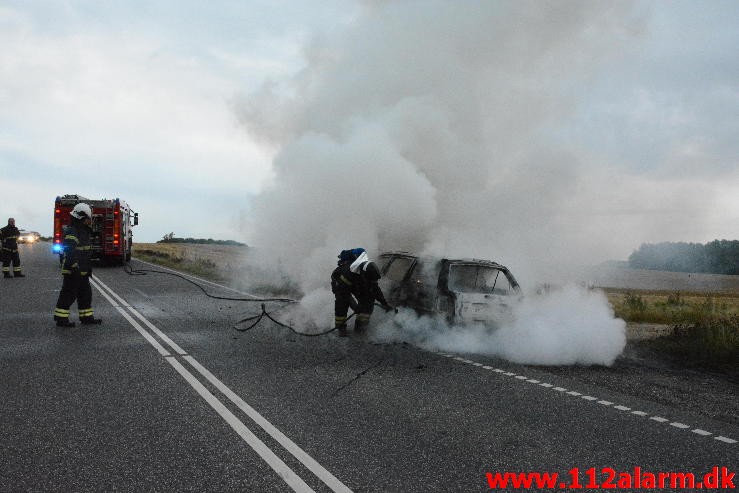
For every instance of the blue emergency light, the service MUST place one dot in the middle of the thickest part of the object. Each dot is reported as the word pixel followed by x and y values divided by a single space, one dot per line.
pixel 57 248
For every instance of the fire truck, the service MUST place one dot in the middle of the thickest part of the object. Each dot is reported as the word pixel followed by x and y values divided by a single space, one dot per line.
pixel 111 239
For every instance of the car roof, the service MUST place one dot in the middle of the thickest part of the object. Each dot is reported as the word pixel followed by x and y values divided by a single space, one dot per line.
pixel 456 261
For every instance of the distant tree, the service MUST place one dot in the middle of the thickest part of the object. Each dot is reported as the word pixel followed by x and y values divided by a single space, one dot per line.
pixel 170 238
pixel 716 257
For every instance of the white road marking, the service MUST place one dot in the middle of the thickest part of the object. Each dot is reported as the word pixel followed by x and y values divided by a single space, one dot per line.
pixel 658 419
pixel 329 479
pixel 287 474
pixel 725 439
pixel 292 479
pixel 133 322
pixel 158 332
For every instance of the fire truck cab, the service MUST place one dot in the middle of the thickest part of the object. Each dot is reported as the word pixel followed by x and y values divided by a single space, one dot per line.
pixel 111 240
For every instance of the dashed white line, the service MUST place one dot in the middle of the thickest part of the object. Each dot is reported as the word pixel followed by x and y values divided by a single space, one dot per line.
pixel 725 439
pixel 658 419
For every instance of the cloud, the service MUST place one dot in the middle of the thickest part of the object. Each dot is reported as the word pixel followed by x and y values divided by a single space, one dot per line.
pixel 122 113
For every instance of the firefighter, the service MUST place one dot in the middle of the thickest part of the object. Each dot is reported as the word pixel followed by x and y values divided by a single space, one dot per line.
pixel 367 291
pixel 10 255
pixel 355 277
pixel 76 270
pixel 342 283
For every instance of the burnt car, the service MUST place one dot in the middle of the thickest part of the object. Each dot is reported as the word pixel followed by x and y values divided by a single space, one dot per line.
pixel 461 290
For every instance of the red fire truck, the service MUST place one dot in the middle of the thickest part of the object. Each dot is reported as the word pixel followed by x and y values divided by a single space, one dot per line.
pixel 112 222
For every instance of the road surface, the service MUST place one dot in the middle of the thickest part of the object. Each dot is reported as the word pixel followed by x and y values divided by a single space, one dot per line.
pixel 166 396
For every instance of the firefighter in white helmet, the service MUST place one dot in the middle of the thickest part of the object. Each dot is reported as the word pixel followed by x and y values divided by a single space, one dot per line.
pixel 76 269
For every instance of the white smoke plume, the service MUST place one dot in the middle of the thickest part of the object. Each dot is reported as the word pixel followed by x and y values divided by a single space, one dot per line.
pixel 568 326
pixel 435 127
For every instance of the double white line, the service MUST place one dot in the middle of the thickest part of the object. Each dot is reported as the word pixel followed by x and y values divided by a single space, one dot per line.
pixel 282 469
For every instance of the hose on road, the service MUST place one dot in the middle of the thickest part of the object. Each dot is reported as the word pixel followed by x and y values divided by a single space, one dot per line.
pixel 142 272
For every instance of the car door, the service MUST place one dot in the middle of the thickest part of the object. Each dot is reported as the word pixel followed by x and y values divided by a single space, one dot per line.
pixel 482 293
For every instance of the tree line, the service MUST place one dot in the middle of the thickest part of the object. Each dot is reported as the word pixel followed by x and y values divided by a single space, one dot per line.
pixel 170 238
pixel 716 257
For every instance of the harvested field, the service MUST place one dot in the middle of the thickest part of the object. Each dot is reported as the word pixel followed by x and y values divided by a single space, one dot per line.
pixel 211 261
pixel 655 280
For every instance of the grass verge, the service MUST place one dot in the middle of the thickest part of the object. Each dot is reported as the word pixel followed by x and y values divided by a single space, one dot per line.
pixel 672 307
pixel 711 343
pixel 704 329
pixel 175 258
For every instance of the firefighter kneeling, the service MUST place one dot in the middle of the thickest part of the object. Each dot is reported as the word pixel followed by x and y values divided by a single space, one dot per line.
pixel 76 269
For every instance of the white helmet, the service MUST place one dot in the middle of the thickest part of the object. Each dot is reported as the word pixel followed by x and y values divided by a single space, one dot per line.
pixel 81 211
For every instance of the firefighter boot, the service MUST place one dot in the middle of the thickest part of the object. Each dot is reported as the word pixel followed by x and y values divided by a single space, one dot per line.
pixel 7 275
pixel 90 321
pixel 18 274
pixel 360 325
pixel 63 322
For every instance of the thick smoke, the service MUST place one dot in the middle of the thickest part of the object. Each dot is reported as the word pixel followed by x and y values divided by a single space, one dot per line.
pixel 434 127
pixel 569 326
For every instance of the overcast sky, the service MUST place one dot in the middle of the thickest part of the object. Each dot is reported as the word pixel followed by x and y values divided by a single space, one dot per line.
pixel 194 111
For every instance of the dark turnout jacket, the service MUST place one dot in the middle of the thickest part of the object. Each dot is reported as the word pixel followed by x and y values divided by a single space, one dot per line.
pixel 9 235
pixel 77 249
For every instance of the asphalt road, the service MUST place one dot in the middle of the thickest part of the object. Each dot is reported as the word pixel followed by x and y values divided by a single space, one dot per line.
pixel 166 396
